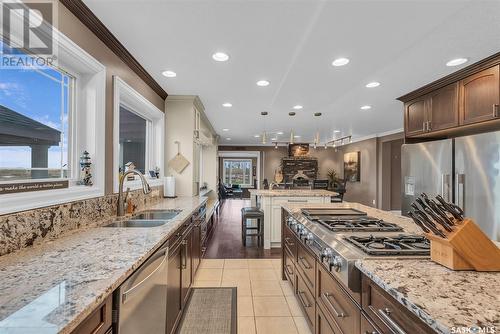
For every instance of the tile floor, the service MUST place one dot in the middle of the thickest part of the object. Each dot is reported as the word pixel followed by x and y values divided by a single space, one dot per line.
pixel 266 304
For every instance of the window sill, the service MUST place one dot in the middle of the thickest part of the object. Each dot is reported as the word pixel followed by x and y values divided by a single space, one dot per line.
pixel 12 203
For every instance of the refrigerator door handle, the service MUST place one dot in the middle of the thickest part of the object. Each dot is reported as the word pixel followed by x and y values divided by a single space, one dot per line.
pixel 445 187
pixel 460 190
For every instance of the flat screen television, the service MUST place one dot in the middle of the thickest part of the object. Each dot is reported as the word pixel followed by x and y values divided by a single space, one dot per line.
pixel 298 150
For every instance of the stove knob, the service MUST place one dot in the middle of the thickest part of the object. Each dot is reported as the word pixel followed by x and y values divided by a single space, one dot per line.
pixel 336 263
pixel 309 237
pixel 326 253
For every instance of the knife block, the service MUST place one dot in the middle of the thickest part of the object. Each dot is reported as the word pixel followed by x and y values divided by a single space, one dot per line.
pixel 465 248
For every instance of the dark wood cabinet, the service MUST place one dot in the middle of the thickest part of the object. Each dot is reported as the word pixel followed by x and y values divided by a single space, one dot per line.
pixel 289 268
pixel 306 265
pixel 196 248
pixel 442 108
pixel 416 116
pixel 387 313
pixel 463 103
pixel 323 324
pixel 480 96
pixel 99 321
pixel 306 300
pixel 186 266
pixel 174 305
pixel 367 327
pixel 337 303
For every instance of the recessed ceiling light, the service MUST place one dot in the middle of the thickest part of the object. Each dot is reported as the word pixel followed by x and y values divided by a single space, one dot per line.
pixel 340 62
pixel 456 62
pixel 228 138
pixel 263 83
pixel 280 132
pixel 298 107
pixel 336 131
pixel 220 56
pixel 256 136
pixel 274 138
pixel 169 74
pixel 296 136
pixel 372 84
pixel 366 107
pixel 227 105
pixel 225 129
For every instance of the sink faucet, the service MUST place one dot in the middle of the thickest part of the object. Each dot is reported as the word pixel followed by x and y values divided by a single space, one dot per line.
pixel 146 189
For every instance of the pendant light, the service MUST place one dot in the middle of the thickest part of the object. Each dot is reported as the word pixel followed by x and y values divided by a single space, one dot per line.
pixel 264 134
pixel 276 145
pixel 316 137
pixel 291 137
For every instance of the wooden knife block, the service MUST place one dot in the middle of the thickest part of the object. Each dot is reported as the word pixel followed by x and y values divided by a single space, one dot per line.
pixel 466 248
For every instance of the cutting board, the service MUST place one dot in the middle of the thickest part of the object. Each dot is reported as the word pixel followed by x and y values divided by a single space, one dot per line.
pixel 178 163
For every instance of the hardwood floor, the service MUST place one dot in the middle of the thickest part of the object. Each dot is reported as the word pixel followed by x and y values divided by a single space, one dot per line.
pixel 226 241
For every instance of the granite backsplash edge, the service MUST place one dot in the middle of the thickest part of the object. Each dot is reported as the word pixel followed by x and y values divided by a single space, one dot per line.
pixel 27 228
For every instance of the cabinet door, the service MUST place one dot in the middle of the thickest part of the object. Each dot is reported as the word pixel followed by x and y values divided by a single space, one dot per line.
pixel 174 287
pixel 196 248
pixel 415 116
pixel 186 265
pixel 276 224
pixel 480 96
pixel 323 324
pixel 443 108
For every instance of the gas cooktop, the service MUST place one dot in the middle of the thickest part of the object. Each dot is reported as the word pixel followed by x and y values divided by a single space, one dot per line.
pixel 347 219
pixel 403 244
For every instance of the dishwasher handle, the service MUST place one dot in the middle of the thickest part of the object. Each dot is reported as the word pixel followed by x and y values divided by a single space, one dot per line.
pixel 164 253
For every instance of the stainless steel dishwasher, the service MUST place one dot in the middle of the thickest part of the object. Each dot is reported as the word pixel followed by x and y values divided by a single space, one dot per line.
pixel 140 303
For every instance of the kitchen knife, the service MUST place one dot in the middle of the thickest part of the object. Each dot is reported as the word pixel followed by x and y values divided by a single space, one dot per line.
pixel 455 211
pixel 438 219
pixel 427 221
pixel 441 212
pixel 418 222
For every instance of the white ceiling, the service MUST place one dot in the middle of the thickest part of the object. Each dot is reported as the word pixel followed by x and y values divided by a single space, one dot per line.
pixel 401 44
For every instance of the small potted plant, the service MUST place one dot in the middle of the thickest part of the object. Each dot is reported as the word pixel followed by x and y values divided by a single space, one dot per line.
pixel 332 178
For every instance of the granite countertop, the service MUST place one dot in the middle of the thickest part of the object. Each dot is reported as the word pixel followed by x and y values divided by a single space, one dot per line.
pixel 292 192
pixel 440 297
pixel 55 285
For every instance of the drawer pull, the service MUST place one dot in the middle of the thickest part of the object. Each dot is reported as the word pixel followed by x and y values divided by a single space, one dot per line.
pixel 495 110
pixel 374 332
pixel 288 270
pixel 288 242
pixel 297 201
pixel 386 317
pixel 304 262
pixel 338 314
pixel 304 299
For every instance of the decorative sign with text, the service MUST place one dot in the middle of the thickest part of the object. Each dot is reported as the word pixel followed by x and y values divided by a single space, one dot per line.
pixel 31 186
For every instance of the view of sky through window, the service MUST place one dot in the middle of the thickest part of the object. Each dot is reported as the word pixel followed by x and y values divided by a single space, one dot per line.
pixel 34 110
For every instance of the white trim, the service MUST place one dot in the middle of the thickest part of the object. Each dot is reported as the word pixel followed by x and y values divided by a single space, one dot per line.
pixel 247 160
pixel 377 135
pixel 243 154
pixel 87 126
pixel 125 95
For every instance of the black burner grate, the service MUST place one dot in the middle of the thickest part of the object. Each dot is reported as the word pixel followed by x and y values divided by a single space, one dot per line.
pixel 368 224
pixel 397 245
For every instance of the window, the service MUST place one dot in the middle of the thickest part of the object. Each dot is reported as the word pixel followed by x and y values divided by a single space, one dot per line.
pixel 237 171
pixel 132 140
pixel 35 109
pixel 138 134
pixel 48 117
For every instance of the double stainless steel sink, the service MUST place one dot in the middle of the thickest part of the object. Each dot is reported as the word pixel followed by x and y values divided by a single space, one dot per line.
pixel 149 218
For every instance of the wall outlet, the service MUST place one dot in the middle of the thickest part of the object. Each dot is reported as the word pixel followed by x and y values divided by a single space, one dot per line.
pixel 373 202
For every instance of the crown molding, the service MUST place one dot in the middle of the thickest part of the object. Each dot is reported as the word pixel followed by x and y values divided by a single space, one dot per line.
pixel 90 20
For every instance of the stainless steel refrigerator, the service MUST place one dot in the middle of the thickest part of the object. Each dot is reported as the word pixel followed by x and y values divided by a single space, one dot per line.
pixel 464 170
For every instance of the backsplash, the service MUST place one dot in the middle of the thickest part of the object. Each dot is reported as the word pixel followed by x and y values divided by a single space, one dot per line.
pixel 26 228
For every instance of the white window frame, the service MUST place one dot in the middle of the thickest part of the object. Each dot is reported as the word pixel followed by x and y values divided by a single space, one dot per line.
pixel 244 185
pixel 86 128
pixel 126 96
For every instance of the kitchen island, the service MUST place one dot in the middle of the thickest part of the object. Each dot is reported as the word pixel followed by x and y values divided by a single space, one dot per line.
pixel 392 294
pixel 271 201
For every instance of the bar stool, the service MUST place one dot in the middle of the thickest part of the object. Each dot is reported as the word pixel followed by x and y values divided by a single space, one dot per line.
pixel 252 213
